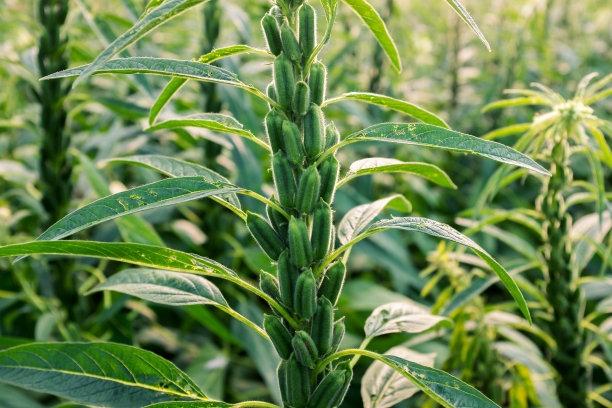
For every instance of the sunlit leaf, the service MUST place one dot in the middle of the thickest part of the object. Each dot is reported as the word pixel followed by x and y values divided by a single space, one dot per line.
pixel 401 317
pixel 465 16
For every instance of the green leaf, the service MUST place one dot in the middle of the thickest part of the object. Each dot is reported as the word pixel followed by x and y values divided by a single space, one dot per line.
pixel 376 165
pixel 137 254
pixel 444 231
pixel 375 23
pixel 172 167
pixel 156 17
pixel 358 218
pixel 211 121
pixel 401 317
pixel 391 103
pixel 100 374
pixel 167 288
pixel 199 404
pixel 440 138
pixel 528 100
pixel 329 7
pixel 465 16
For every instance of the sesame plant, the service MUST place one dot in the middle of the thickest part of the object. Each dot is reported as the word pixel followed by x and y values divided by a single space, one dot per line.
pixel 297 231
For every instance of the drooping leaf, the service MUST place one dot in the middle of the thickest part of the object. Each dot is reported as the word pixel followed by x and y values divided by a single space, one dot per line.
pixel 382 386
pixel 401 317
pixel 465 16
pixel 358 218
pixel 375 23
pixel 100 374
pixel 375 165
pixel 154 18
pixel 398 105
pixel 433 136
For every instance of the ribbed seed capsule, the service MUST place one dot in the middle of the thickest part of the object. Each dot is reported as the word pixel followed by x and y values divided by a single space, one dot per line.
pixel 284 81
pixel 308 190
pixel 272 34
pixel 314 129
pixel 283 179
pixel 304 349
pixel 332 136
pixel 287 278
pixel 321 230
pixel 328 170
pixel 328 391
pixel 348 376
pixel 332 282
pixel 278 221
pixel 298 383
pixel 322 327
pixel 317 82
pixel 292 142
pixel 280 336
pixel 339 331
pixel 274 130
pixel 307 29
pixel 265 236
pixel 281 372
pixel 301 98
pixel 269 285
pixel 271 91
pixel 291 48
pixel 299 243
pixel 305 296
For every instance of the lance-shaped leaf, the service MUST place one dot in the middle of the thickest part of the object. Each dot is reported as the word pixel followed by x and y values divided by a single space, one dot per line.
pixel 433 136
pixel 172 167
pixel 98 374
pixel 158 194
pixel 398 105
pixel 375 23
pixel 358 218
pixel 444 231
pixel 382 386
pixel 465 16
pixel 376 165
pixel 211 121
pixel 199 404
pixel 400 317
pixel 153 19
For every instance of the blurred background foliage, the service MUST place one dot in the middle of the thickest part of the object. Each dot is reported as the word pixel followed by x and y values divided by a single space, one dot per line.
pixel 445 70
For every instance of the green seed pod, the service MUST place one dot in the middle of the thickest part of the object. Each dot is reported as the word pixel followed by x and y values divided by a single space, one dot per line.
pixel 298 383
pixel 321 229
pixel 308 190
pixel 308 29
pixel 328 391
pixel 314 131
pixel 305 296
pixel 284 180
pixel 278 15
pixel 272 34
pixel 304 349
pixel 291 48
pixel 269 285
pixel 332 136
pixel 281 372
pixel 332 282
pixel 322 327
pixel 274 130
pixel 278 221
pixel 265 236
pixel 287 278
pixel 348 376
pixel 318 82
pixel 301 98
pixel 271 91
pixel 292 142
pixel 328 170
pixel 280 336
pixel 284 80
pixel 299 243
pixel 339 331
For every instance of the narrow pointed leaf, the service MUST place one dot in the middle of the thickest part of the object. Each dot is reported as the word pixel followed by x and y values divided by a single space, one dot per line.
pixel 98 374
pixel 375 23
pixel 401 317
pixel 137 254
pixel 198 404
pixel 153 19
pixel 358 218
pixel 444 231
pixel 465 16
pixel 376 165
pixel 398 105
pixel 440 138
pixel 158 194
